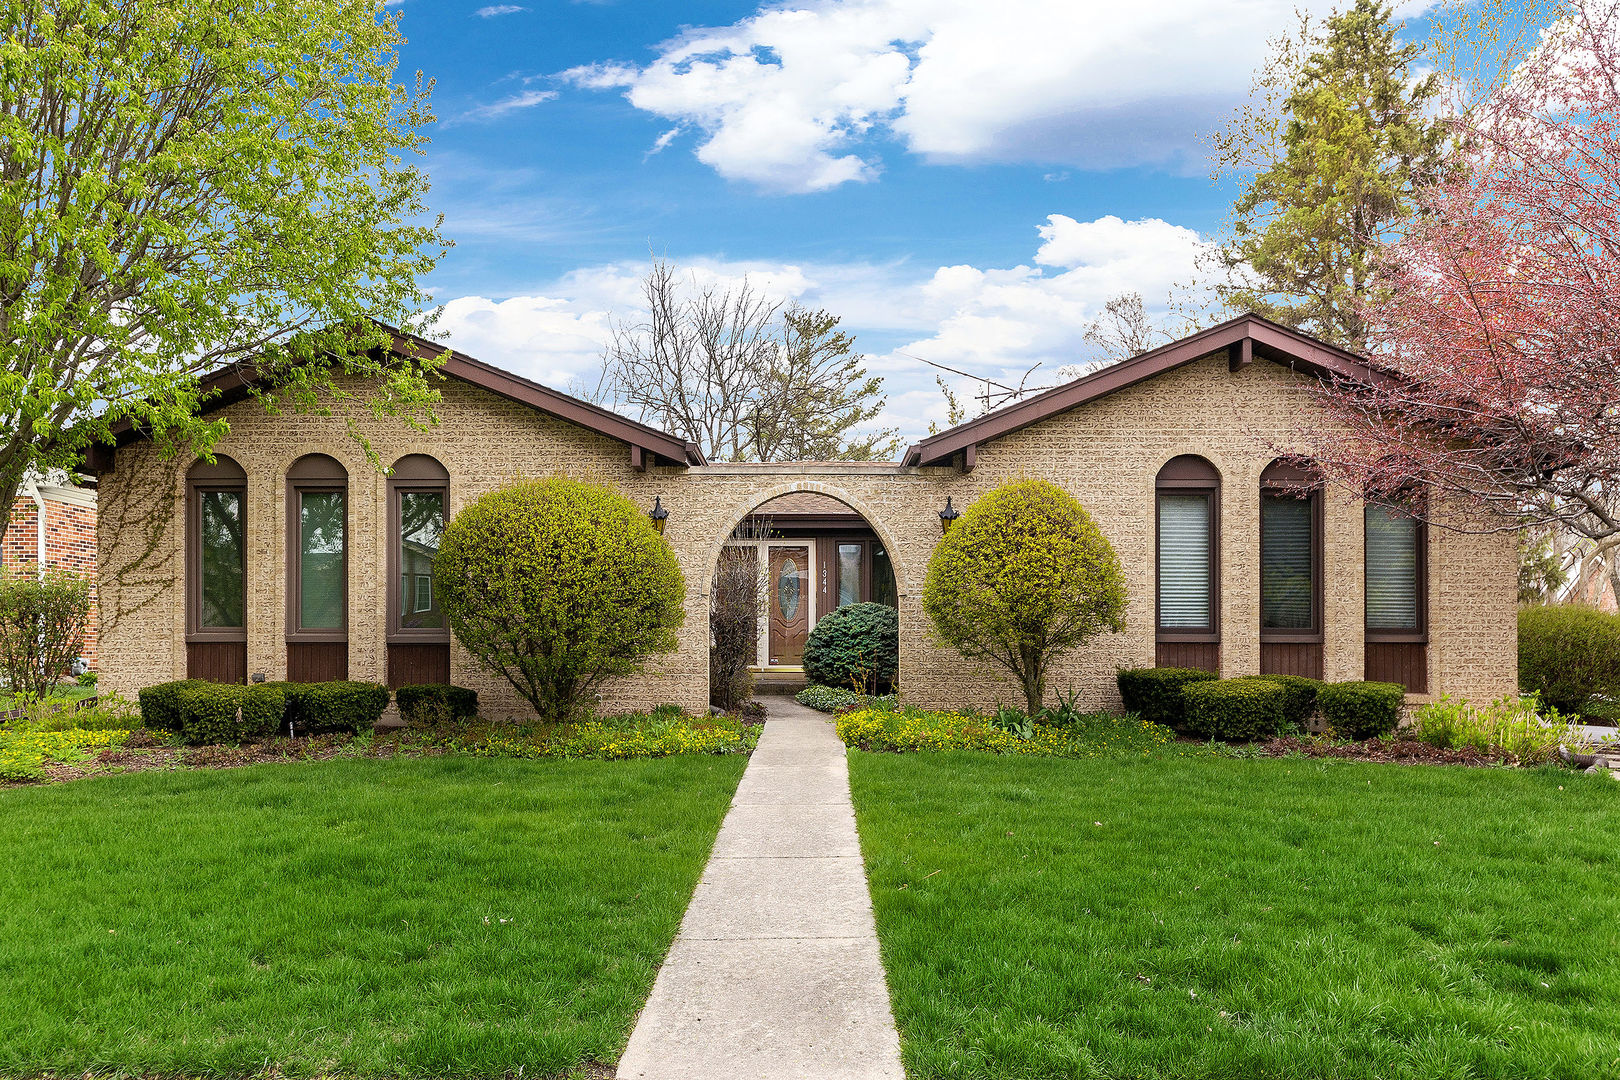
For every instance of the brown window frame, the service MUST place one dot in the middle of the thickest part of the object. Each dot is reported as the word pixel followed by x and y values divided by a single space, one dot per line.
pixel 1283 477
pixel 309 475
pixel 1185 475
pixel 412 473
pixel 223 474
pixel 1420 635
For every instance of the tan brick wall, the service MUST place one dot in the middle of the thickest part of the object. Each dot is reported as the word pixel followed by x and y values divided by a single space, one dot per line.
pixel 1107 454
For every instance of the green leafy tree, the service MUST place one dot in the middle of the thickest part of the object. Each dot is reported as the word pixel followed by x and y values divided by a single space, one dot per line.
pixel 42 625
pixel 187 183
pixel 558 585
pixel 1338 133
pixel 1023 578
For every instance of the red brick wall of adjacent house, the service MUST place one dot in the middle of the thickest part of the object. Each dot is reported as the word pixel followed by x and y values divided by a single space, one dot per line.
pixel 70 544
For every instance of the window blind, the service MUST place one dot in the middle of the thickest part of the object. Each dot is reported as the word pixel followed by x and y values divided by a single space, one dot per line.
pixel 1392 570
pixel 1287 564
pixel 1184 564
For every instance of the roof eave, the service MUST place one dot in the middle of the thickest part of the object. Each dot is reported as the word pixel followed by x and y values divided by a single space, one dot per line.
pixel 1269 340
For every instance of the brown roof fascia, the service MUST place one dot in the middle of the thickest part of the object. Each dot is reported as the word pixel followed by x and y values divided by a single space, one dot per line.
pixel 233 383
pixel 1243 336
pixel 526 392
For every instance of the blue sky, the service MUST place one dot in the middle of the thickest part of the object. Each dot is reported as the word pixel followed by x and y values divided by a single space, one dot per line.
pixel 960 180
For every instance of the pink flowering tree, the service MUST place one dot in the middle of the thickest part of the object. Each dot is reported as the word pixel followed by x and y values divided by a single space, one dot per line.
pixel 1502 317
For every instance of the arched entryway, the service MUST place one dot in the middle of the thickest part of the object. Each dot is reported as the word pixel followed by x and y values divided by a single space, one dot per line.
pixel 799 554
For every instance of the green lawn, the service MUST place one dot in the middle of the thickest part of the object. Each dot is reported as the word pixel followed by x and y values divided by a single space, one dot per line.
pixel 452 916
pixel 1212 917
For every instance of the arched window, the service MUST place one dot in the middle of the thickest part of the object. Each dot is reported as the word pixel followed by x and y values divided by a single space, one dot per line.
pixel 1291 569
pixel 418 634
pixel 1188 594
pixel 317 569
pixel 216 571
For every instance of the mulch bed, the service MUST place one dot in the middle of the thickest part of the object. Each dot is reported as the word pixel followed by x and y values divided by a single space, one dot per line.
pixel 1394 751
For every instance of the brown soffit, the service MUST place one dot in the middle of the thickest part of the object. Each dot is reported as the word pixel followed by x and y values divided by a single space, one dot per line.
pixel 1244 338
pixel 648 445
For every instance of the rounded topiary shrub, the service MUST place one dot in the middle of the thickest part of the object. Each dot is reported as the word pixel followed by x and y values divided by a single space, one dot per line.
pixel 1154 694
pixel 557 585
pixel 1301 692
pixel 1234 709
pixel 1361 710
pixel 1023 578
pixel 1568 654
pixel 856 646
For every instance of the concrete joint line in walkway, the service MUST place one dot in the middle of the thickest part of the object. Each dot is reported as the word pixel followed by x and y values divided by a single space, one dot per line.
pixel 775 972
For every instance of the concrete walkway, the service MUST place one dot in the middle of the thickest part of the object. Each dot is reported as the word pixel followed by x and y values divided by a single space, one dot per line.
pixel 775 971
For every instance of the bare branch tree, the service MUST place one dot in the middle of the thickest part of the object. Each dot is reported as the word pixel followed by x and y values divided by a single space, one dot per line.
pixel 1124 329
pixel 742 376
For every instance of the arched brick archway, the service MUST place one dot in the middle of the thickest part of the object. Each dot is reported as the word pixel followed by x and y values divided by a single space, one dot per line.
pixel 740 510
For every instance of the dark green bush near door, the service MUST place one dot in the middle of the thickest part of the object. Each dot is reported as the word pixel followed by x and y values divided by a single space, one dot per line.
pixel 1240 709
pixel 1154 694
pixel 857 646
pixel 1569 654
pixel 1361 710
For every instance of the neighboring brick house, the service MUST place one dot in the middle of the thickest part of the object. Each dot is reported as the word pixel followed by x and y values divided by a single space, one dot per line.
pixel 67 540
pixel 286 557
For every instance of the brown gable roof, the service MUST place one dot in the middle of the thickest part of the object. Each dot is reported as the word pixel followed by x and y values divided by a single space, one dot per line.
pixel 648 445
pixel 1243 338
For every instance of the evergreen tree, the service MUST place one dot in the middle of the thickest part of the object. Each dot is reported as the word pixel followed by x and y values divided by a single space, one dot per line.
pixel 1339 135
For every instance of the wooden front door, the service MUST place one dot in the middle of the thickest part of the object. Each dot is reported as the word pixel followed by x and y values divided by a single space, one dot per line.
pixel 789 600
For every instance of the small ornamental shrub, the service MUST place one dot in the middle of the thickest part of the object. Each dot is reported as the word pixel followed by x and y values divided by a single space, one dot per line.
pixel 264 710
pixel 558 585
pixel 42 624
pixel 1154 694
pixel 160 705
pixel 1512 725
pixel 1300 702
pixel 831 699
pixel 319 708
pixel 857 646
pixel 1023 578
pixel 210 712
pixel 436 703
pixel 1568 654
pixel 1361 710
pixel 734 613
pixel 1234 709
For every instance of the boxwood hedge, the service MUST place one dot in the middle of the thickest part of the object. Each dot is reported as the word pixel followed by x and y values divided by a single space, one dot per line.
pixel 1235 709
pixel 1155 694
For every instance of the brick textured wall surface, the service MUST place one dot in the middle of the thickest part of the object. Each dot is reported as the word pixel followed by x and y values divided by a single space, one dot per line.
pixel 1106 453
pixel 70 544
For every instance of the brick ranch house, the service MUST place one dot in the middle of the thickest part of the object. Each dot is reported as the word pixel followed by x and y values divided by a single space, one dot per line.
pixel 54 525
pixel 291 557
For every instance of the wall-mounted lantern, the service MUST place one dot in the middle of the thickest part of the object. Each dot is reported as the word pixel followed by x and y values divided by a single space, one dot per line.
pixel 658 514
pixel 948 515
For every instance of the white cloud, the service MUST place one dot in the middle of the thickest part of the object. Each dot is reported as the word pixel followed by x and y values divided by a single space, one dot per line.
pixel 496 10
pixel 994 321
pixel 794 97
pixel 497 109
